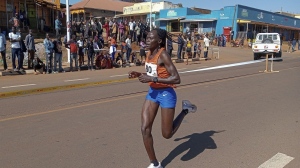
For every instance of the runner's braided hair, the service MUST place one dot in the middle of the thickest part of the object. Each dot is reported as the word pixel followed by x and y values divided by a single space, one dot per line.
pixel 164 35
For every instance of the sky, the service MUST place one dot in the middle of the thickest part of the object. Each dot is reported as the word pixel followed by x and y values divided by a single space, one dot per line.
pixel 292 6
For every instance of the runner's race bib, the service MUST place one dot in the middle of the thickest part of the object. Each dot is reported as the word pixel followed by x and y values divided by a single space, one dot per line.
pixel 151 69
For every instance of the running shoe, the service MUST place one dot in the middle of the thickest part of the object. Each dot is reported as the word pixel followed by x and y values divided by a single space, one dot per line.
pixel 152 166
pixel 187 105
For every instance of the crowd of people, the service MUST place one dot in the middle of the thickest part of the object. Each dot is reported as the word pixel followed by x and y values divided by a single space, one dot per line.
pixel 97 40
pixel 86 40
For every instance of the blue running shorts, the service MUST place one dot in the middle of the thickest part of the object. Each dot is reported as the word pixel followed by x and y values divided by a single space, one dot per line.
pixel 165 97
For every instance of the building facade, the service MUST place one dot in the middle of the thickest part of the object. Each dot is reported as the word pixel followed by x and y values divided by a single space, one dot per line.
pixel 34 10
pixel 141 11
pixel 97 8
pixel 242 20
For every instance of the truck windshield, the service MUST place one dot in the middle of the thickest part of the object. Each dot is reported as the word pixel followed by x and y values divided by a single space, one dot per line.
pixel 270 36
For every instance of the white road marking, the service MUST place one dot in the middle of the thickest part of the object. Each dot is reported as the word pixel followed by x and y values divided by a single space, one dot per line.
pixel 277 161
pixel 73 80
pixel 224 66
pixel 6 87
pixel 118 75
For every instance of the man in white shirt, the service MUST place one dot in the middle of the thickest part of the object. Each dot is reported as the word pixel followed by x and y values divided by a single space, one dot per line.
pixel 128 48
pixel 15 38
pixel 206 45
pixel 131 28
pixel 3 49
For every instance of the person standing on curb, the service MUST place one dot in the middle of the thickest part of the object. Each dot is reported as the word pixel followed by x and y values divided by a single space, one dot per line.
pixel 49 53
pixel 23 49
pixel 57 44
pixel 15 47
pixel 29 42
pixel 91 54
pixel 180 46
pixel 128 48
pixel 3 49
pixel 80 44
pixel 206 45
pixel 74 50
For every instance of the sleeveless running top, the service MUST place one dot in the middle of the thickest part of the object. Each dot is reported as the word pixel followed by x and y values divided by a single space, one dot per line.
pixel 155 70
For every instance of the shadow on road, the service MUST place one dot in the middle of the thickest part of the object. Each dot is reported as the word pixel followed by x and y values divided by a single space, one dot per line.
pixel 195 145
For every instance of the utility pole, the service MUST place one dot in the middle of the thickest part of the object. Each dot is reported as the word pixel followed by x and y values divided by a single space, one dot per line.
pixel 150 15
pixel 68 26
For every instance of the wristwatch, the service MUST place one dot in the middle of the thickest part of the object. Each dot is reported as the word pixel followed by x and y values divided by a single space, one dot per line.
pixel 155 79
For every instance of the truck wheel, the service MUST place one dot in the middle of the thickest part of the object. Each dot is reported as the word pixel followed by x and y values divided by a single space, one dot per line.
pixel 278 55
pixel 256 56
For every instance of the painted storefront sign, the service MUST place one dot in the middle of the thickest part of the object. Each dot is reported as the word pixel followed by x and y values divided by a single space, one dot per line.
pixel 171 13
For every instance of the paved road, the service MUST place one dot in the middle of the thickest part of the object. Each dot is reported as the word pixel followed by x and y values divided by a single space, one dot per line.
pixel 245 118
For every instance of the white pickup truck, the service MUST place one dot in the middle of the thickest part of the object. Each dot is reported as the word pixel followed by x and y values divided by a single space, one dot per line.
pixel 267 43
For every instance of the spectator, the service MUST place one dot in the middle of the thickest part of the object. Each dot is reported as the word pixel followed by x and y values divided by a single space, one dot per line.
pixel 29 42
pixel 294 42
pixel 143 50
pixel 58 26
pixel 206 46
pixel 99 27
pixel 57 44
pixel 128 48
pixel 15 39
pixel 169 46
pixel 133 57
pixel 180 46
pixel 91 54
pixel 188 32
pixel 188 51
pixel 113 47
pixel 134 37
pixel 15 21
pixel 38 64
pixel 131 29
pixel 49 53
pixel 110 26
pixel 80 44
pixel 22 18
pixel 121 29
pixel 106 26
pixel 138 34
pixel 289 46
pixel 73 50
pixel 199 48
pixel 114 29
pixel 23 49
pixel 195 47
pixel 95 45
pixel 185 40
pixel 299 44
pixel 119 60
pixel 3 49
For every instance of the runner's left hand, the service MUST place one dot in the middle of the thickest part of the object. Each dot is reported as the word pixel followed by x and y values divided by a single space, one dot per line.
pixel 144 78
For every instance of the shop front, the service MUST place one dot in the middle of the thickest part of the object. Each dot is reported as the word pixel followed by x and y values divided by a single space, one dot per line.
pixel 141 11
pixel 31 11
pixel 250 21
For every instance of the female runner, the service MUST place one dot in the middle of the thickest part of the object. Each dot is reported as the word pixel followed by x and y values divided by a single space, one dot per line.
pixel 162 75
